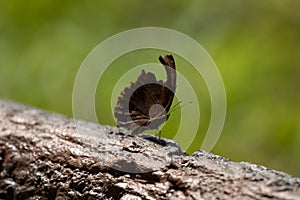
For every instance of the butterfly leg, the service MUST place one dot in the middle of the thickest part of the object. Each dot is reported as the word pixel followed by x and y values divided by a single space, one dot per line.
pixel 158 133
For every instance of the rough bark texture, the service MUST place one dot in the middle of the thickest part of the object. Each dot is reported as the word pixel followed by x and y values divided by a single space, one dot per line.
pixel 49 156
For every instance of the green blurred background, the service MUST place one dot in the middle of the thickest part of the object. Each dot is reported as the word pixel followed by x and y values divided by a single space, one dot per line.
pixel 256 46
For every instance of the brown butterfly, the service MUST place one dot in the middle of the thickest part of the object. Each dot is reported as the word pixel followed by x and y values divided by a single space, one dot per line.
pixel 146 103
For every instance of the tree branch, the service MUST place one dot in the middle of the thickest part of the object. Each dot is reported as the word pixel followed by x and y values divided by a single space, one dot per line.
pixel 49 156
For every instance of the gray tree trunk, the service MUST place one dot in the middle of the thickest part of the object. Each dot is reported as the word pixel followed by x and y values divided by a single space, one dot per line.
pixel 49 156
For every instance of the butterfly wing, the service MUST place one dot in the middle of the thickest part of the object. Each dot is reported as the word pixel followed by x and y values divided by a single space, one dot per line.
pixel 132 109
pixel 169 88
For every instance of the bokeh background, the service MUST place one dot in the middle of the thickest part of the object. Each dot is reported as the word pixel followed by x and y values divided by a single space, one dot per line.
pixel 255 44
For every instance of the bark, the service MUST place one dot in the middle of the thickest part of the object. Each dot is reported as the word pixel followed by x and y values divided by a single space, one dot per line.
pixel 49 156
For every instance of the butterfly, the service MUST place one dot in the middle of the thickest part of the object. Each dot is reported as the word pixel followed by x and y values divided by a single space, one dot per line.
pixel 146 103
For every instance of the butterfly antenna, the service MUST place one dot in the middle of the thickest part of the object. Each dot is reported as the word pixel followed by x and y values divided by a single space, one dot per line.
pixel 175 107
